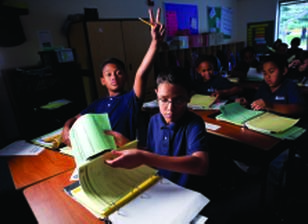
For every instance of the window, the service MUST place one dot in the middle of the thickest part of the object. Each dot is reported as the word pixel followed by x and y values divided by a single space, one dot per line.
pixel 292 21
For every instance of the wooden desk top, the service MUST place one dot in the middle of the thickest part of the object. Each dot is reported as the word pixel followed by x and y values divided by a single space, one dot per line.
pixel 28 170
pixel 237 133
pixel 50 204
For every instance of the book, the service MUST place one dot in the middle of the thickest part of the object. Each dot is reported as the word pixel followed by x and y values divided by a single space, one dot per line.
pixel 265 122
pixel 134 195
pixel 139 193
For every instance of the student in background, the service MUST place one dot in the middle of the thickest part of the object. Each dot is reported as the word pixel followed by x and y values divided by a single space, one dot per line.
pixel 248 59
pixel 209 83
pixel 280 95
pixel 123 107
pixel 177 141
pixel 277 93
pixel 294 50
pixel 294 57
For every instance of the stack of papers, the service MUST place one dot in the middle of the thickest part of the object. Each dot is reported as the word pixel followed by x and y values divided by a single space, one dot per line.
pixel 21 148
pixel 265 122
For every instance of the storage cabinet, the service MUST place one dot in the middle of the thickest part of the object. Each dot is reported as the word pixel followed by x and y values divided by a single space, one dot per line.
pixel 30 88
pixel 95 41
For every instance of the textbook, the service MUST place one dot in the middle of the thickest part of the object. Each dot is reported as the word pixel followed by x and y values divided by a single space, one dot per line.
pixel 121 195
pixel 261 121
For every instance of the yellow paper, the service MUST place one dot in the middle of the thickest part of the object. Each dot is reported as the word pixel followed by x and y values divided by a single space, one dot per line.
pixel 271 122
pixel 201 101
pixel 106 186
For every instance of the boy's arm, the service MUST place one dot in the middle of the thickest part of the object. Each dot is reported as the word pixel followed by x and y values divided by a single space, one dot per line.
pixel 66 129
pixel 197 163
pixel 157 33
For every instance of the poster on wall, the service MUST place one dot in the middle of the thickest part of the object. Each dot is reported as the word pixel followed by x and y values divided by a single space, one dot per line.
pixel 220 20
pixel 260 35
pixel 181 19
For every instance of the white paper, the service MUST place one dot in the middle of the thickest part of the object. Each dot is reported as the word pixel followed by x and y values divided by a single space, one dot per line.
pixel 150 104
pixel 165 202
pixel 212 127
pixel 21 148
pixel 254 74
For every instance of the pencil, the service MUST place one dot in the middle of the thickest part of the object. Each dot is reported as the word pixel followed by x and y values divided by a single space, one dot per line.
pixel 146 22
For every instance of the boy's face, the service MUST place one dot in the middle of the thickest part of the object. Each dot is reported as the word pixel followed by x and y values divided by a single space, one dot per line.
pixel 172 101
pixel 113 78
pixel 272 74
pixel 206 70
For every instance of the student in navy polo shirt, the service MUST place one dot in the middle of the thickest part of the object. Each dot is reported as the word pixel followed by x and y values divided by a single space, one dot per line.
pixel 281 95
pixel 176 142
pixel 277 93
pixel 123 107
pixel 208 83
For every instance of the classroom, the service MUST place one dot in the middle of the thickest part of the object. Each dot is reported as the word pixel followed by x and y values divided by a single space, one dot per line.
pixel 53 55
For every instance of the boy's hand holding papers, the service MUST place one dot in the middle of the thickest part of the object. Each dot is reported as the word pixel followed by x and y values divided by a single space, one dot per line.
pixel 138 193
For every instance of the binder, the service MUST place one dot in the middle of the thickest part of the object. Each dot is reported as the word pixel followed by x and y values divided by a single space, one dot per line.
pixel 105 190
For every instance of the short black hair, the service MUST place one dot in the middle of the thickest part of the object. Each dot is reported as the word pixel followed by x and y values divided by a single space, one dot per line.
pixel 120 64
pixel 206 58
pixel 177 76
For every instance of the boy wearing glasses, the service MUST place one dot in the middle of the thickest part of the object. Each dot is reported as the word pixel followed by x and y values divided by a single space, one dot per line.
pixel 176 140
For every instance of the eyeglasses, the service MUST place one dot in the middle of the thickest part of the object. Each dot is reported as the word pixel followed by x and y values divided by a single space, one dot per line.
pixel 174 102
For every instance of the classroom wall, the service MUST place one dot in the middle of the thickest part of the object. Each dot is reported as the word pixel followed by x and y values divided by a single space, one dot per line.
pixel 51 16
pixel 254 11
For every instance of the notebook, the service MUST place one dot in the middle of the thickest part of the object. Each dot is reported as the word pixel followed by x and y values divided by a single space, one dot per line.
pixel 265 122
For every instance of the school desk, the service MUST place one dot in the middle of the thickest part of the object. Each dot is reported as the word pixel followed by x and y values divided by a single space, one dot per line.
pixel 245 145
pixel 28 170
pixel 50 204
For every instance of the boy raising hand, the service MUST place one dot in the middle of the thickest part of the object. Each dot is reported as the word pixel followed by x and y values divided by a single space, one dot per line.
pixel 123 107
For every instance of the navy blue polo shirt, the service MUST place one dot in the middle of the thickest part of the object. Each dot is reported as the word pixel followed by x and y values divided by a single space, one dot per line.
pixel 122 110
pixel 287 93
pixel 215 83
pixel 184 137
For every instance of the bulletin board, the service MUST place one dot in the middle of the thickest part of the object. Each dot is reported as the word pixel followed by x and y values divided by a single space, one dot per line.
pixel 220 20
pixel 181 19
pixel 260 35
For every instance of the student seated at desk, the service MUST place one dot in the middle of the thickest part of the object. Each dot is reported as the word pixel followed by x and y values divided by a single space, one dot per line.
pixel 208 83
pixel 280 95
pixel 277 93
pixel 177 140
pixel 123 107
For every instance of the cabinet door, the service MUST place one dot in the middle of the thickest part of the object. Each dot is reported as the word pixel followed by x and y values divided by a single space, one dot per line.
pixel 137 38
pixel 105 41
